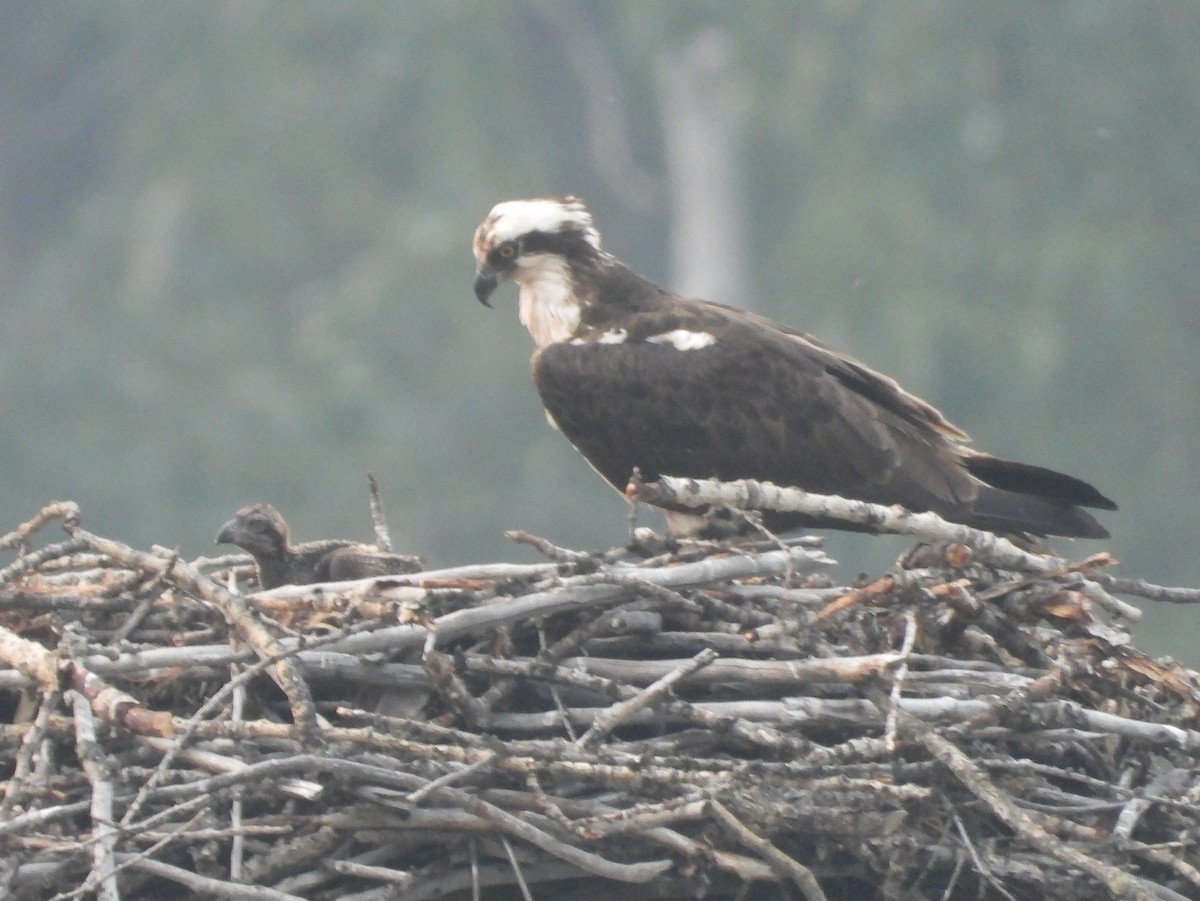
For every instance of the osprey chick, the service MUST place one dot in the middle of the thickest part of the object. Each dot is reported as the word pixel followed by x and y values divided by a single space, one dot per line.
pixel 636 376
pixel 260 530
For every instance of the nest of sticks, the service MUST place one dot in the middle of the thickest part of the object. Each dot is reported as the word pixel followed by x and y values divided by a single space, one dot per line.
pixel 685 721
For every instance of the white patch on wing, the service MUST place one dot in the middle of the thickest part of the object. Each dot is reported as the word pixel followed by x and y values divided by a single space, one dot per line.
pixel 682 339
pixel 553 424
pixel 514 218
pixel 612 336
pixel 547 303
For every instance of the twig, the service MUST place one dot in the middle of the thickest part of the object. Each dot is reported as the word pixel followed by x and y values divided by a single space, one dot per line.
pixel 748 494
pixel 103 872
pixel 516 866
pixel 784 866
pixel 236 611
pixel 1118 884
pixel 547 549
pixel 383 537
pixel 1172 783
pixel 980 866
pixel 418 795
pixel 35 559
pixel 1143 589
pixel 604 723
pixel 400 878
pixel 205 886
pixel 19 782
pixel 68 511
pixel 910 638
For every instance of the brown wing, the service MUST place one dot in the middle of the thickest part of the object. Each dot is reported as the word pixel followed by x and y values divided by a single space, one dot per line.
pixel 360 561
pixel 764 402
pixel 758 403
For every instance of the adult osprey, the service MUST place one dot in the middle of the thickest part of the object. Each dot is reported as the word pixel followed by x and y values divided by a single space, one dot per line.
pixel 636 376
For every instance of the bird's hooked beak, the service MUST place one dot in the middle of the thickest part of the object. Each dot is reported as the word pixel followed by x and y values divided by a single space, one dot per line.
pixel 486 280
pixel 229 533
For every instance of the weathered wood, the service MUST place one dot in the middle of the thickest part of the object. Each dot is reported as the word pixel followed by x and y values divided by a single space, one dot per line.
pixel 973 726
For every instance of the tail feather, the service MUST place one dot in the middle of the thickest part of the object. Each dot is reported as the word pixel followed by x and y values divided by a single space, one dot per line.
pixel 1024 478
pixel 1006 511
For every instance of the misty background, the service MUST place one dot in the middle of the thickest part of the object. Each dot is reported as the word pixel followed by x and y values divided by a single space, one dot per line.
pixel 235 246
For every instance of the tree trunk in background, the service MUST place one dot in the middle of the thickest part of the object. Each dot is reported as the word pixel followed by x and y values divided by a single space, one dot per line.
pixel 701 109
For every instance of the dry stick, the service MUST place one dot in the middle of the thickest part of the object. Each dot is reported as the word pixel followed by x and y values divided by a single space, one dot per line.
pixel 305 789
pixel 1164 858
pixel 475 895
pixel 749 717
pixel 31 659
pixel 910 638
pixel 980 867
pixel 501 689
pixel 1118 883
pixel 508 824
pixel 126 860
pixel 103 872
pixel 610 719
pixel 399 878
pixel 420 794
pixel 780 863
pixel 150 591
pixel 37 558
pixel 641 817
pixel 603 819
pixel 240 615
pixel 1172 783
pixel 206 886
pixel 30 741
pixel 494 816
pixel 582 592
pixel 748 494
pixel 383 538
pixel 576 593
pixel 34 819
pixel 67 510
pixel 1143 589
pixel 237 847
pixel 182 735
pixel 516 867
pixel 844 670
pixel 404 584
pixel 474 878
pixel 551 551
pixel 698 713
pixel 111 704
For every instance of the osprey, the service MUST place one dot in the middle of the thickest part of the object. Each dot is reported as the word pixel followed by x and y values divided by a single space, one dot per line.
pixel 261 530
pixel 635 376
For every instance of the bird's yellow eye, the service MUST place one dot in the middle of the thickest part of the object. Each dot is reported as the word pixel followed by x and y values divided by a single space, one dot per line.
pixel 508 251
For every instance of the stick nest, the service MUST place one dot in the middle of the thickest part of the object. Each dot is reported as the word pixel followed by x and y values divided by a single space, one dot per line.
pixel 695 720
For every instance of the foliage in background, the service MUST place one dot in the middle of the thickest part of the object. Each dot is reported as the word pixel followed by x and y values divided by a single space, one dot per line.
pixel 234 244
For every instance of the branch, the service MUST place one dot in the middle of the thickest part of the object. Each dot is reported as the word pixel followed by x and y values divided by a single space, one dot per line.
pixel 747 494
pixel 1119 884
pixel 240 615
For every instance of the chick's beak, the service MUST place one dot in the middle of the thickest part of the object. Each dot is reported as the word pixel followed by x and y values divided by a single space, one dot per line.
pixel 228 533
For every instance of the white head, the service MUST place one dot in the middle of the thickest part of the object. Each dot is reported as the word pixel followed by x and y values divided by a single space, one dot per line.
pixel 512 220
pixel 534 243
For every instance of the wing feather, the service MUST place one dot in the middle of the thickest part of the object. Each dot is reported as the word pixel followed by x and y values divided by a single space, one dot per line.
pixel 759 402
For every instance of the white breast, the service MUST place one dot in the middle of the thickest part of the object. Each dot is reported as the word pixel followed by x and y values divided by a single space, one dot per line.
pixel 547 302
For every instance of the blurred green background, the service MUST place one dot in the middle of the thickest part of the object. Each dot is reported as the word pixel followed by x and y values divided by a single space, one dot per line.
pixel 235 245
